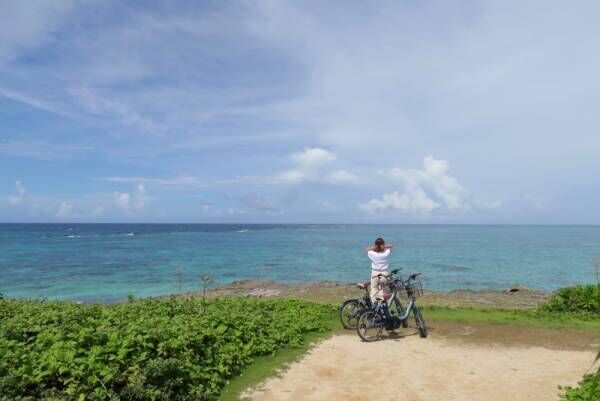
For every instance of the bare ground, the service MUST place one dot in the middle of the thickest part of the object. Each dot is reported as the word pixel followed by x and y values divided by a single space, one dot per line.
pixel 456 362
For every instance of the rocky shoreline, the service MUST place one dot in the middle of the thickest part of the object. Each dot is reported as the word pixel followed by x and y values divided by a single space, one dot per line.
pixel 516 297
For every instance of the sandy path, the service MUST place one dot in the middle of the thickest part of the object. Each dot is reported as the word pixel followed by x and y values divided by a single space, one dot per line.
pixel 414 369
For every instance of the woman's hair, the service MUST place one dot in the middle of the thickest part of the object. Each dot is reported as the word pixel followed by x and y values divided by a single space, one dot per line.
pixel 379 245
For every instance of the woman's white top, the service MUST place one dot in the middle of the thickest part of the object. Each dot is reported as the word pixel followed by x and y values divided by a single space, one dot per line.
pixel 380 261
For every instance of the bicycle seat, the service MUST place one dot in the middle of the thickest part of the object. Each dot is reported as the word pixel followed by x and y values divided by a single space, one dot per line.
pixel 363 286
pixel 414 276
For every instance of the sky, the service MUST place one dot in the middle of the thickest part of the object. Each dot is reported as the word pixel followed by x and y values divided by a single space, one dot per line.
pixel 450 112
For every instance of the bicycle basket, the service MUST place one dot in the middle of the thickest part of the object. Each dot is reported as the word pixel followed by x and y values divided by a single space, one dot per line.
pixel 416 287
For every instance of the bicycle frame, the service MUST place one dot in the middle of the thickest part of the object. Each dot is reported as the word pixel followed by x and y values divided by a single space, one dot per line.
pixel 380 316
pixel 394 298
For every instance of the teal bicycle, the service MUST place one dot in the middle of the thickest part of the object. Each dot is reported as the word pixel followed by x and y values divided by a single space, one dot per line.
pixel 381 314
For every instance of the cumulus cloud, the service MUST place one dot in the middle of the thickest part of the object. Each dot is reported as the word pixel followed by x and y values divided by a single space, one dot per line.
pixel 342 176
pixel 20 192
pixel 308 164
pixel 414 201
pixel 141 197
pixel 122 199
pixel 126 201
pixel 311 165
pixel 65 210
pixel 423 191
pixel 311 159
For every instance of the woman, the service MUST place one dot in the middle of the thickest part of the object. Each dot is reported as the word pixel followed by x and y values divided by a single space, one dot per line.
pixel 379 253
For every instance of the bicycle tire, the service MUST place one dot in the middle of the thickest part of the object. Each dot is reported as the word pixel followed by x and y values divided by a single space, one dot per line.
pixel 349 312
pixel 369 320
pixel 420 321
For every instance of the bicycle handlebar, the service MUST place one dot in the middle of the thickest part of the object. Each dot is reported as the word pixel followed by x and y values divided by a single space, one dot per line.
pixel 414 276
pixel 395 271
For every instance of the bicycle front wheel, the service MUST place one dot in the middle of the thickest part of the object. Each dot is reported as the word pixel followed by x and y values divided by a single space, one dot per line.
pixel 370 325
pixel 420 321
pixel 349 312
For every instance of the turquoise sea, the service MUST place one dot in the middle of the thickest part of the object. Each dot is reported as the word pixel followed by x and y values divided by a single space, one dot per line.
pixel 106 262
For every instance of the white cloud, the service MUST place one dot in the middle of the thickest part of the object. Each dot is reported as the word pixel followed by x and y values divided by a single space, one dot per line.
pixel 423 191
pixel 125 201
pixel 311 159
pixel 342 176
pixel 20 194
pixel 141 197
pixel 181 182
pixel 122 199
pixel 65 210
pixel 291 176
pixel 415 202
pixel 310 165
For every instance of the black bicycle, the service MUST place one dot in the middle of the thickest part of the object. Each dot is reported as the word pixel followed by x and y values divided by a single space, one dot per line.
pixel 351 309
pixel 380 315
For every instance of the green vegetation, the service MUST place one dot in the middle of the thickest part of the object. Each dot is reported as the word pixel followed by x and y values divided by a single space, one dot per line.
pixel 171 349
pixel 588 390
pixel 268 366
pixel 189 349
pixel 536 318
pixel 582 300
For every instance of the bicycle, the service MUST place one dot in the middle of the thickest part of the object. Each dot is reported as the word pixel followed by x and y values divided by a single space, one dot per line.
pixel 351 309
pixel 372 321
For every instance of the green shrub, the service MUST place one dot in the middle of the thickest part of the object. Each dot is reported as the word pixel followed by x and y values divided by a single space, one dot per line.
pixel 582 299
pixel 588 390
pixel 144 349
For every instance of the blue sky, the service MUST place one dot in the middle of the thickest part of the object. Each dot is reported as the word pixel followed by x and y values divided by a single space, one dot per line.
pixel 276 111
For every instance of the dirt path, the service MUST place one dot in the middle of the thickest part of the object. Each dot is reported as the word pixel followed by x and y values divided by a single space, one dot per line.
pixel 442 367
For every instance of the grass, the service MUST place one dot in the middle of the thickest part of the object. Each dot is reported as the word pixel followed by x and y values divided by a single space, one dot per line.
pixel 550 320
pixel 269 366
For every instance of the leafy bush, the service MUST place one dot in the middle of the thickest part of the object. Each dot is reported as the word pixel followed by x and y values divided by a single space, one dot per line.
pixel 170 349
pixel 582 299
pixel 588 390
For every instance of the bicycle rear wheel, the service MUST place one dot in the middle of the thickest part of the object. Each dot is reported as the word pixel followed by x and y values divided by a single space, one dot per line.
pixel 370 325
pixel 420 321
pixel 349 312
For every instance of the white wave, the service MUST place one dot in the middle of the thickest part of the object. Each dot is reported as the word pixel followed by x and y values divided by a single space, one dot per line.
pixel 242 231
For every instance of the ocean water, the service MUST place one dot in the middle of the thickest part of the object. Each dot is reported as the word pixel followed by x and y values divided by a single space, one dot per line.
pixel 106 262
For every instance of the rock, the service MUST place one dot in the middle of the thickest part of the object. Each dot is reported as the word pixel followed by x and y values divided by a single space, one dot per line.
pixel 260 293
pixel 517 288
